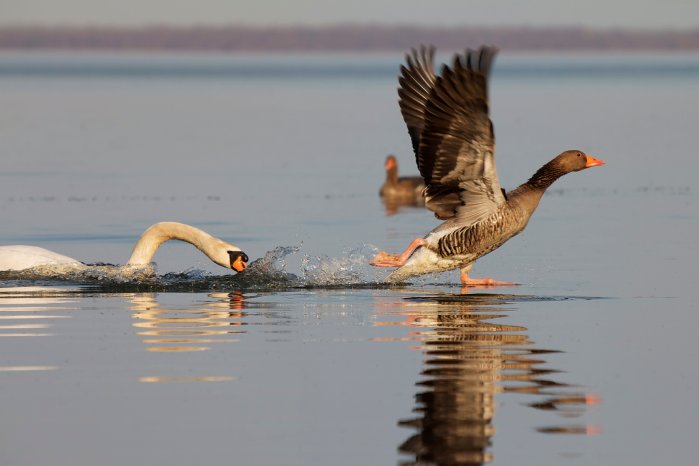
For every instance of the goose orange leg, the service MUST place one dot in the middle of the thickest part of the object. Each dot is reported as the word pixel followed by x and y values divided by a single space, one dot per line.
pixel 467 281
pixel 384 259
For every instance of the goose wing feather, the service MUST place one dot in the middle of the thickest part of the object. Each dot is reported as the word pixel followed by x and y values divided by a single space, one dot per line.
pixel 416 82
pixel 456 151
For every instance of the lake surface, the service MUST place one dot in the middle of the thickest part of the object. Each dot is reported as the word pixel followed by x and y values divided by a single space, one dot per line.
pixel 307 358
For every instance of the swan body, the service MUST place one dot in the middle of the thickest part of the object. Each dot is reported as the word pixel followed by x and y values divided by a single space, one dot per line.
pixel 20 257
pixel 454 144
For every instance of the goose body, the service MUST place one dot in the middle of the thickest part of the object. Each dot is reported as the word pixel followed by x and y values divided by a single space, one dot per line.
pixel 21 257
pixel 452 136
pixel 405 190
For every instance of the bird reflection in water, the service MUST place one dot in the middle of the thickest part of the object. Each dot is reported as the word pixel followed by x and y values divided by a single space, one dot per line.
pixel 468 359
pixel 167 330
pixel 394 206
pixel 30 312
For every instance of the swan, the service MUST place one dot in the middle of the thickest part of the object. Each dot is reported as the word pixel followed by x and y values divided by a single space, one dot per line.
pixel 20 257
pixel 454 144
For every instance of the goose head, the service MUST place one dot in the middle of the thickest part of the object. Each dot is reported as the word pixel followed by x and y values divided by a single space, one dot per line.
pixel 575 160
pixel 391 166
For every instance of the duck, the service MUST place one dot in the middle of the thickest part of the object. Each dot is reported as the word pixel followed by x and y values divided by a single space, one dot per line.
pixel 448 121
pixel 230 256
pixel 406 190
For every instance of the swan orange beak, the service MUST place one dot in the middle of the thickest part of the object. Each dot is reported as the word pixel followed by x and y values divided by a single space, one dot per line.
pixel 239 265
pixel 238 260
pixel 592 162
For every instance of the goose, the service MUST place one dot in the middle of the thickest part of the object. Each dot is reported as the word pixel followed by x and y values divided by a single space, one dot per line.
pixel 406 189
pixel 452 137
pixel 20 257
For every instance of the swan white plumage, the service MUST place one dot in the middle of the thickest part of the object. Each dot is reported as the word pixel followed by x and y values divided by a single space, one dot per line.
pixel 20 257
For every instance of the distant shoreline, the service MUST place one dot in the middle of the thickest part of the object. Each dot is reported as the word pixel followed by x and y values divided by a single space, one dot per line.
pixel 341 38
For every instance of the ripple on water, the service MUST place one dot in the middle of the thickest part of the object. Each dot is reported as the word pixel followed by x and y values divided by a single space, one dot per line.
pixel 493 298
pixel 26 314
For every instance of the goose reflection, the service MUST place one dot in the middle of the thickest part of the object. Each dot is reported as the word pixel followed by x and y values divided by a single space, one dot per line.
pixel 395 206
pixel 168 330
pixel 468 359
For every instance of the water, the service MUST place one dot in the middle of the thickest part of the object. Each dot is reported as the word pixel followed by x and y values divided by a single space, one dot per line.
pixel 308 358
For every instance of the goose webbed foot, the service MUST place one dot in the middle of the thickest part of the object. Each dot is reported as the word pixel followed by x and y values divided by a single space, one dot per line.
pixel 486 282
pixel 385 259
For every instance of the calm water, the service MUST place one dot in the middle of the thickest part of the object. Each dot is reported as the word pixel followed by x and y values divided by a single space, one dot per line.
pixel 306 359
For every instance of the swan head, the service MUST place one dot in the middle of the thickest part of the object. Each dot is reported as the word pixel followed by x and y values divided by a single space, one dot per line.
pixel 237 260
pixel 225 254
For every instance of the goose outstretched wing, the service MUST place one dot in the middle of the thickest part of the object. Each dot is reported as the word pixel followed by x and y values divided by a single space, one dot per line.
pixel 455 144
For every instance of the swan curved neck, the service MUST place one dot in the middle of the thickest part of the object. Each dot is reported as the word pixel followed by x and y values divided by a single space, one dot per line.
pixel 157 234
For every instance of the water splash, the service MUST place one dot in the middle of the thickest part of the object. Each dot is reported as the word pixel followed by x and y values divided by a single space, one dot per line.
pixel 269 271
pixel 312 270
pixel 351 269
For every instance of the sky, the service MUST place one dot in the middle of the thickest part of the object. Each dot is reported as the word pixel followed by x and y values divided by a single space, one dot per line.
pixel 590 13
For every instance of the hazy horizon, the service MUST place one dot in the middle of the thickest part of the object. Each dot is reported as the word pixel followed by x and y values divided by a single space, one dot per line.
pixel 645 14
pixel 340 38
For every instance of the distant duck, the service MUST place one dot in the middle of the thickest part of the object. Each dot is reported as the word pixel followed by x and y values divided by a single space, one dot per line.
pixel 227 255
pixel 452 136
pixel 406 188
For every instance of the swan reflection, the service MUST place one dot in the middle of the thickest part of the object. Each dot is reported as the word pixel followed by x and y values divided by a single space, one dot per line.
pixel 172 330
pixel 26 368
pixel 31 312
pixel 468 359
pixel 203 378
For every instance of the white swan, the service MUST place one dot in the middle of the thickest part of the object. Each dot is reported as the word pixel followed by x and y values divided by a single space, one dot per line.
pixel 19 257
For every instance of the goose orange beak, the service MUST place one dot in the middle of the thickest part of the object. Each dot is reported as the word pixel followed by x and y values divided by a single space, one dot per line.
pixel 593 162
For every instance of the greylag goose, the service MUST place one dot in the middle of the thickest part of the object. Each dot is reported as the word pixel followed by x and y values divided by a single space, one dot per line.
pixel 20 257
pixel 452 136
pixel 404 190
